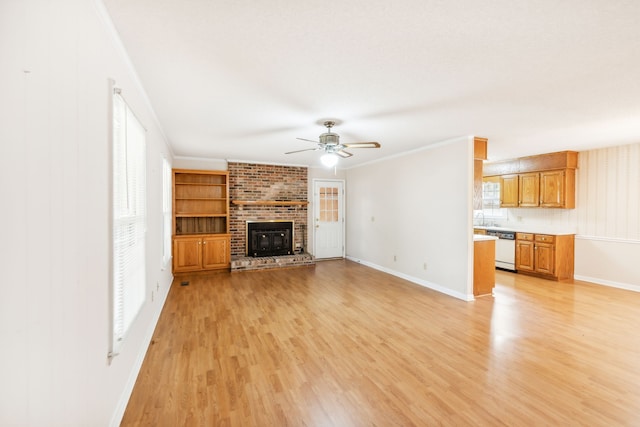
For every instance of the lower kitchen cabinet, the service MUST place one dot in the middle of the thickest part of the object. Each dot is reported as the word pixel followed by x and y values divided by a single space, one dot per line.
pixel 545 255
pixel 524 252
pixel 196 253
pixel 484 272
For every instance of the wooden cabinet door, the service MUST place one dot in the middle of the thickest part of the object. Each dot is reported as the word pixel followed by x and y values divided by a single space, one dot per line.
pixel 552 192
pixel 215 252
pixel 524 255
pixel 529 190
pixel 544 256
pixel 187 254
pixel 509 191
pixel 477 184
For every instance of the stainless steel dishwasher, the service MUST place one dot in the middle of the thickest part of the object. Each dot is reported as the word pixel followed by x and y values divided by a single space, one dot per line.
pixel 505 248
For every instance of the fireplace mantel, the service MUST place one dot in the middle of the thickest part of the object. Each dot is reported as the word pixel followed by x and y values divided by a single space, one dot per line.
pixel 270 202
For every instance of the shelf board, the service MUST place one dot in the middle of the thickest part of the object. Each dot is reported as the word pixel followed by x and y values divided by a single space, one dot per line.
pixel 200 215
pixel 222 233
pixel 220 199
pixel 270 202
pixel 208 184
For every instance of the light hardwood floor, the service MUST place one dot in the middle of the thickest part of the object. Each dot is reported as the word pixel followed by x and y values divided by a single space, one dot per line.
pixel 345 345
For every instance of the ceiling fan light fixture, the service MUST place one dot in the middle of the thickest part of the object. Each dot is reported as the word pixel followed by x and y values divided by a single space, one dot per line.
pixel 329 159
pixel 329 142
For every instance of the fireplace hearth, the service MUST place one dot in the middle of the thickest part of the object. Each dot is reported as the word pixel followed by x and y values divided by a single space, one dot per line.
pixel 269 238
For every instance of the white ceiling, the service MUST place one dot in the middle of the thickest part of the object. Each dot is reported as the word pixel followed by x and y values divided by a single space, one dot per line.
pixel 241 79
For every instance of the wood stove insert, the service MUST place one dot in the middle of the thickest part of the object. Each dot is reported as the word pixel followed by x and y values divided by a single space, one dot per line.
pixel 269 238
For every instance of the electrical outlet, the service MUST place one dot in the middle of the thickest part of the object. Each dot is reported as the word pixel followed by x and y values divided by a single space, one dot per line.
pixel 424 266
pixel 395 258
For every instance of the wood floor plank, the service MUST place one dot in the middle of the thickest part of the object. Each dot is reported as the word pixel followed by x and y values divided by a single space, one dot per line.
pixel 340 344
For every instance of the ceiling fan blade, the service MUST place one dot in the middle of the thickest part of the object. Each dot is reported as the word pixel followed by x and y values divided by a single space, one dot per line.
pixel 309 140
pixel 300 151
pixel 362 145
pixel 343 154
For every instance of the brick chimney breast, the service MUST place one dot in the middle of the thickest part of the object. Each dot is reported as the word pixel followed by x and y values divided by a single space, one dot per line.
pixel 261 182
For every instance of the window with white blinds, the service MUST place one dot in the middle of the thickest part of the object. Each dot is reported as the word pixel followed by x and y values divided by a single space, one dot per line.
pixel 166 212
pixel 129 219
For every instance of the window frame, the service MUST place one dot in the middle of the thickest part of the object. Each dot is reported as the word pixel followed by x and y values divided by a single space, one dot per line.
pixel 128 220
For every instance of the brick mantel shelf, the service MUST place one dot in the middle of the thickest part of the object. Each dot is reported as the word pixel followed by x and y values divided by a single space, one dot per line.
pixel 242 203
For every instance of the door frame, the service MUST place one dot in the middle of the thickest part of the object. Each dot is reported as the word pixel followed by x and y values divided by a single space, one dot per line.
pixel 316 204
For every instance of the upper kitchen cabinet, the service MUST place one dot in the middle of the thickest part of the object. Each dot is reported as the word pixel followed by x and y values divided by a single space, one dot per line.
pixel 529 190
pixel 555 186
pixel 546 180
pixel 479 154
pixel 509 185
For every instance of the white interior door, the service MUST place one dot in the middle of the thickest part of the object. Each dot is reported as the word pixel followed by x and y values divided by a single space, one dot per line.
pixel 328 218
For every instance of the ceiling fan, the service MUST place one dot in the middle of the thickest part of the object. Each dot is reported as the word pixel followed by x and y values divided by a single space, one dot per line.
pixel 330 144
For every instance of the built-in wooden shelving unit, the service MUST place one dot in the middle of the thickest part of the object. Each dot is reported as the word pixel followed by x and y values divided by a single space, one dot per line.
pixel 201 238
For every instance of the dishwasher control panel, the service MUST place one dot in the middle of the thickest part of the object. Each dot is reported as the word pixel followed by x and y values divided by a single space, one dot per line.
pixel 500 234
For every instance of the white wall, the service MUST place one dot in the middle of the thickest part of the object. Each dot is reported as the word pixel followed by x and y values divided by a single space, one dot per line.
pixel 416 208
pixel 606 219
pixel 57 59
pixel 200 164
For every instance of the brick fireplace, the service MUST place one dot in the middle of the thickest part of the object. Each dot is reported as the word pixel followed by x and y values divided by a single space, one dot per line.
pixel 261 192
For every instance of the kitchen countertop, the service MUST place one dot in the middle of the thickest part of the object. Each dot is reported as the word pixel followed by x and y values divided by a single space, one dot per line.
pixel 482 237
pixel 525 229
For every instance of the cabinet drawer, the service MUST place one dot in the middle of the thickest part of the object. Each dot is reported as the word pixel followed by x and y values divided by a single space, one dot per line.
pixel 545 238
pixel 524 236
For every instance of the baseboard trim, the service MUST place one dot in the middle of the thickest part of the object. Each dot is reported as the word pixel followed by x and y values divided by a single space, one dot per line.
pixel 417 281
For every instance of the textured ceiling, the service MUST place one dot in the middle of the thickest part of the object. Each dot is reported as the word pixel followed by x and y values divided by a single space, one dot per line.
pixel 241 79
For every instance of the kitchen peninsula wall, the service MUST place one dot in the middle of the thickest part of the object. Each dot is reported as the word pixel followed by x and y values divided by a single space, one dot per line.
pixel 407 215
